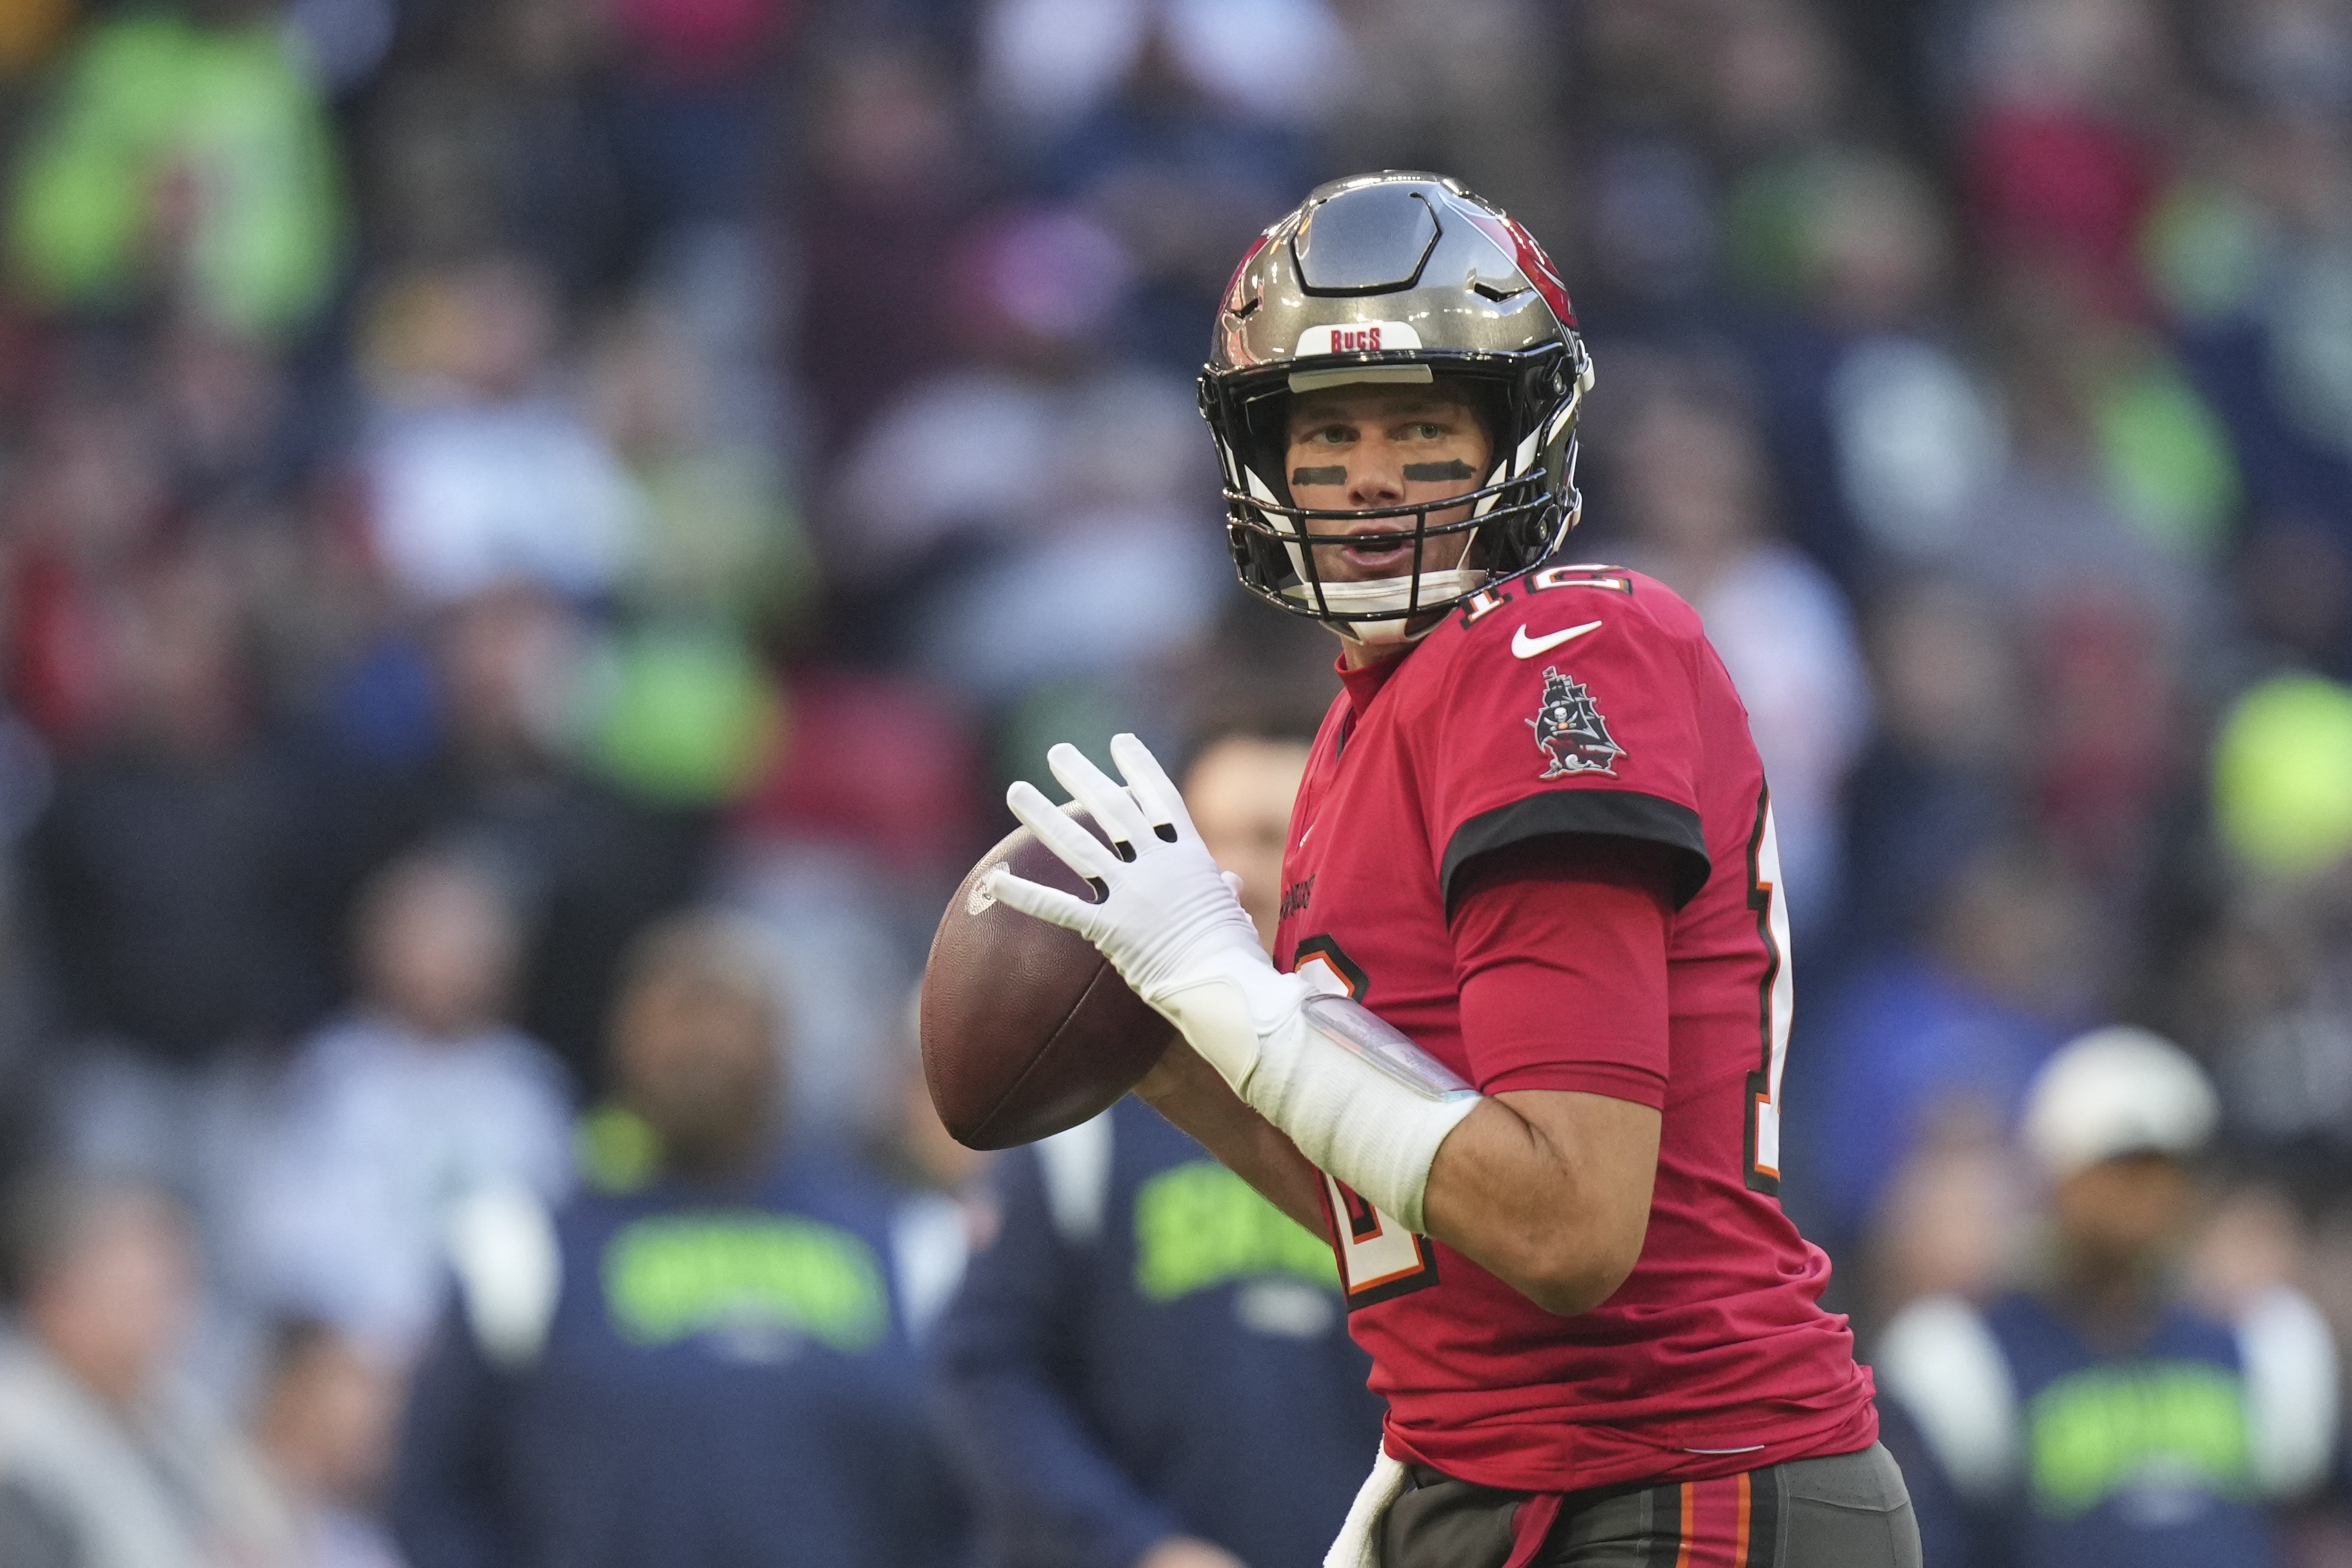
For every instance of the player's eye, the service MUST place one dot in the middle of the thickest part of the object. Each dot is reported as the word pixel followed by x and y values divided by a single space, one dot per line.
pixel 1426 431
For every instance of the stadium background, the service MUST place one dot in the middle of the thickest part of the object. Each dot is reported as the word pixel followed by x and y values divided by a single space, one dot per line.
pixel 697 450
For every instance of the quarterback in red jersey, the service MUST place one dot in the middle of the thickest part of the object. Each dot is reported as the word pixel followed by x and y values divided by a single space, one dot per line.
pixel 1520 1052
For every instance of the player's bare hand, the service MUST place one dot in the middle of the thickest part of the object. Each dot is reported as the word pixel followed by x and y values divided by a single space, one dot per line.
pixel 1186 1552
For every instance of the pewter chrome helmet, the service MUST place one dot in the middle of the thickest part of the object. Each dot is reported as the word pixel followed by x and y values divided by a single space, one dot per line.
pixel 1396 276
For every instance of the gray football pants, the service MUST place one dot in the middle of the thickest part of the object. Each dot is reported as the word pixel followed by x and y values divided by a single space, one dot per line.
pixel 1848 1511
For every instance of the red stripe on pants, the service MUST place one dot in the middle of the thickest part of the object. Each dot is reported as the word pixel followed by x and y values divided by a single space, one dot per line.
pixel 1715 1523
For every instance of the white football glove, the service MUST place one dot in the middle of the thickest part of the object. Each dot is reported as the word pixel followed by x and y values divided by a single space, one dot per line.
pixel 1360 1099
pixel 1168 922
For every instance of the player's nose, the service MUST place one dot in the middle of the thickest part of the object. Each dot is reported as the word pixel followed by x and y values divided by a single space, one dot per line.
pixel 1375 478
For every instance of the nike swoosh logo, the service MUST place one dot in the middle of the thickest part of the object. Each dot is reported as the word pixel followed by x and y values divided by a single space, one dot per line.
pixel 1527 646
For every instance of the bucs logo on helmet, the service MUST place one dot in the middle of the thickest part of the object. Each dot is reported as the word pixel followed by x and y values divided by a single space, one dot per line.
pixel 1571 733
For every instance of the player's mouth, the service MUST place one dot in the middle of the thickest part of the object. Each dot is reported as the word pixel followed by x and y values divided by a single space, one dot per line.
pixel 1378 553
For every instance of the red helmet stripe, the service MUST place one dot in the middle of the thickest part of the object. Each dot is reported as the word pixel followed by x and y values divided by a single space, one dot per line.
pixel 1234 282
pixel 1513 236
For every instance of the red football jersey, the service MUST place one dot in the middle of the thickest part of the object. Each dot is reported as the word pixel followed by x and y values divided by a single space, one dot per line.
pixel 1578 700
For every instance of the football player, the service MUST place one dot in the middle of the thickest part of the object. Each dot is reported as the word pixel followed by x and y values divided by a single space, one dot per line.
pixel 1519 1053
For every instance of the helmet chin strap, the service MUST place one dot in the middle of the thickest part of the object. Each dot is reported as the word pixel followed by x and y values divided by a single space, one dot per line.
pixel 1397 594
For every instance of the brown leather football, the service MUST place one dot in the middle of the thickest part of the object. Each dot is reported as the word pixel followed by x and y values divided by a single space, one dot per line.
pixel 1026 1029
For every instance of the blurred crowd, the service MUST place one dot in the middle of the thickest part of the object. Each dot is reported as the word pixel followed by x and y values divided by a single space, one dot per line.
pixel 533 534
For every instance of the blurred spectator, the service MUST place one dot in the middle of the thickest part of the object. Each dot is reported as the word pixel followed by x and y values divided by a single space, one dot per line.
pixel 1692 489
pixel 489 138
pixel 2060 158
pixel 186 155
pixel 1464 88
pixel 704 1360
pixel 1150 1364
pixel 1110 572
pixel 587 862
pixel 1944 1034
pixel 1941 777
pixel 392 1118
pixel 692 105
pixel 161 881
pixel 1054 61
pixel 102 1465
pixel 328 1411
pixel 479 471
pixel 89 501
pixel 2091 1417
pixel 937 1216
pixel 720 536
pixel 687 713
pixel 889 179
pixel 978 449
pixel 1182 125
pixel 888 764
pixel 1887 436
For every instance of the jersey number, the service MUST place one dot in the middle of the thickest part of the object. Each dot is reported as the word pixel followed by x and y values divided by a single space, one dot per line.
pixel 1379 1259
pixel 1776 1001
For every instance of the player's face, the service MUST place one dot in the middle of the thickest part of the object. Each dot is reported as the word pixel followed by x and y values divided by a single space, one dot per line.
pixel 1239 794
pixel 1354 447
pixel 698 1061
pixel 2122 1211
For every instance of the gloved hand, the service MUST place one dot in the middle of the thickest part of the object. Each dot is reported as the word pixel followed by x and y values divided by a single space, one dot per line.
pixel 1361 1102
pixel 1168 919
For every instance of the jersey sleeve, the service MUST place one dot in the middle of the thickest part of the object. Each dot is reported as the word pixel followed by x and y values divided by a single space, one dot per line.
pixel 1598 733
pixel 1560 955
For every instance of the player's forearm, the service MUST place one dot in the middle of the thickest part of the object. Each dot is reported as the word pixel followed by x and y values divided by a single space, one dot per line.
pixel 1549 1192
pixel 1189 1092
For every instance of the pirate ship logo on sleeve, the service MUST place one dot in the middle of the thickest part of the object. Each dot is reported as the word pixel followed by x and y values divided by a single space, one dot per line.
pixel 1570 732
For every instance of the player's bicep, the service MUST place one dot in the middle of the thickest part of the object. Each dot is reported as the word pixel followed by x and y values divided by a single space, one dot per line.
pixel 1560 957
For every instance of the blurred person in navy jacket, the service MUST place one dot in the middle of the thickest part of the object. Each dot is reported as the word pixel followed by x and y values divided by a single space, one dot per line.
pixel 2092 1416
pixel 1148 1365
pixel 700 1361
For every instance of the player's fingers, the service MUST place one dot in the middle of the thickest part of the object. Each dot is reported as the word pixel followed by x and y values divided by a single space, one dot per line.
pixel 1048 904
pixel 1233 882
pixel 1153 788
pixel 1077 849
pixel 1108 802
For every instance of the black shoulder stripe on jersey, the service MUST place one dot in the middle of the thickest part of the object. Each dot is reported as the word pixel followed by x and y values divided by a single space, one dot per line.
pixel 1620 812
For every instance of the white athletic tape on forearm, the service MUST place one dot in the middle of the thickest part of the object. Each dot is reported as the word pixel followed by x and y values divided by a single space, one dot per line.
pixel 1360 1099
pixel 1351 1093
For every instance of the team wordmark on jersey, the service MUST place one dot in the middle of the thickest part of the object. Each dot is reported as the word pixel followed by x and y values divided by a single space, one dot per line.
pixel 1295 897
pixel 1571 733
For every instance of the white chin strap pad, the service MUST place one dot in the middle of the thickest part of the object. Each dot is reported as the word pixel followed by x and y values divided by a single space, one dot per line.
pixel 1394 595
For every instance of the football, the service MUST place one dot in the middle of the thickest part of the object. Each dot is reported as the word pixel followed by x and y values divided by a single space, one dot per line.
pixel 1026 1029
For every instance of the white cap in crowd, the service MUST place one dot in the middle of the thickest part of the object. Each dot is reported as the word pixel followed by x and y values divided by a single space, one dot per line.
pixel 2117 1091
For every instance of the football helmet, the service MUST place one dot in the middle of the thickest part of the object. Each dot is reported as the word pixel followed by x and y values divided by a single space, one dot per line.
pixel 1396 276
